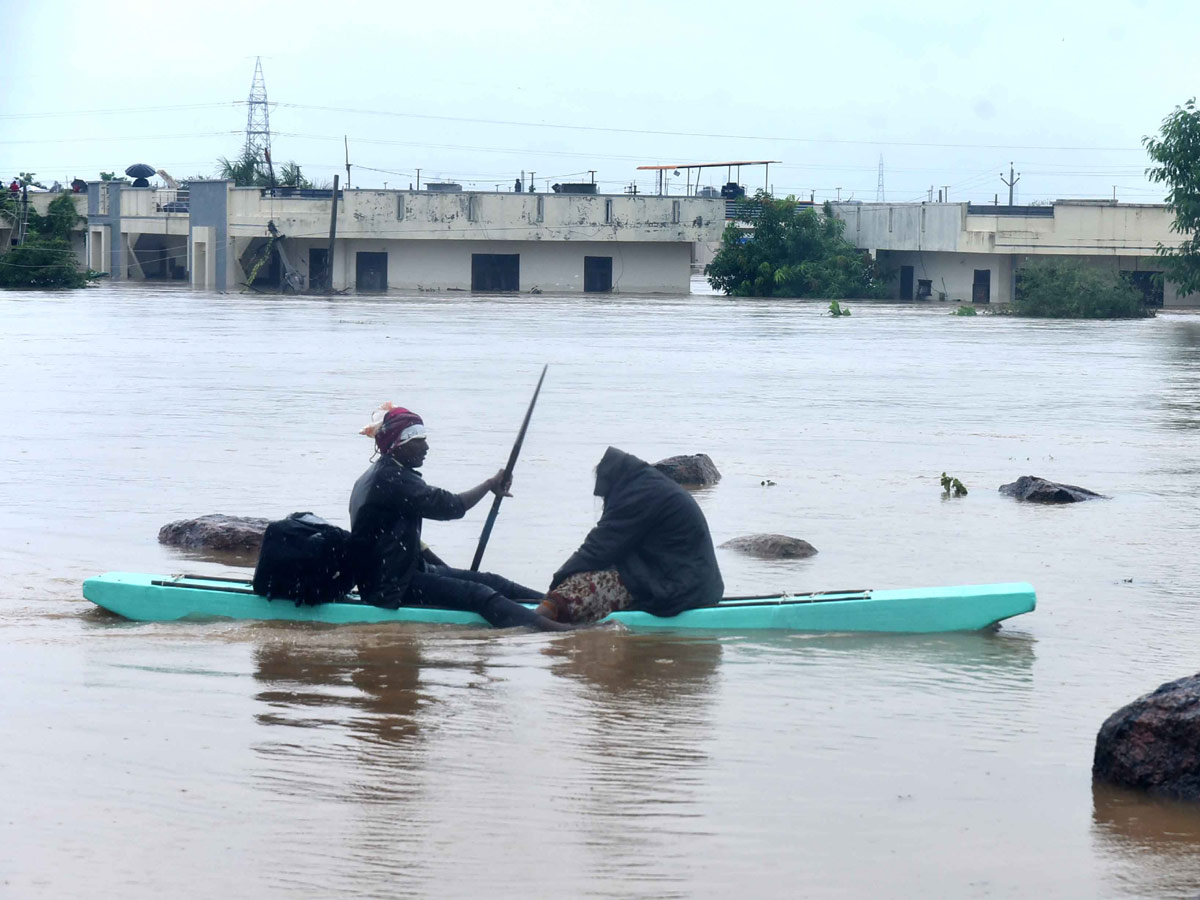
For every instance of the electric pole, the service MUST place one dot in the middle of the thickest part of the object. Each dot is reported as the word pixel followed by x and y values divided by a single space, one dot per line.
pixel 258 117
pixel 879 187
pixel 1010 182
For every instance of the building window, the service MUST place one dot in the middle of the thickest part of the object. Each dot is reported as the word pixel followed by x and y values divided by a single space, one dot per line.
pixel 608 211
pixel 541 209
pixel 495 272
pixel 597 274
pixel 399 207
pixel 674 212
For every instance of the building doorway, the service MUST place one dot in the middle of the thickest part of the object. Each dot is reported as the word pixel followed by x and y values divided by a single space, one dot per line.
pixel 981 289
pixel 318 268
pixel 1150 284
pixel 906 282
pixel 597 274
pixel 370 271
pixel 495 272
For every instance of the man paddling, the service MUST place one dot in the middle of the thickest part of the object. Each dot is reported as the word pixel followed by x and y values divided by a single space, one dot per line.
pixel 387 506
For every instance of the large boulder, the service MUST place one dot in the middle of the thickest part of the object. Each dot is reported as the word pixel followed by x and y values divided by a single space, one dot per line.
pixel 215 532
pixel 772 546
pixel 696 470
pixel 1039 490
pixel 1153 744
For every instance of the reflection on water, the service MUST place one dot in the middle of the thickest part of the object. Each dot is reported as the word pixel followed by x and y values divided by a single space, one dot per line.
pixel 1154 844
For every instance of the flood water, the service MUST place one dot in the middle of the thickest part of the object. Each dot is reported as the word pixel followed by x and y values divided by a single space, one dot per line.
pixel 265 760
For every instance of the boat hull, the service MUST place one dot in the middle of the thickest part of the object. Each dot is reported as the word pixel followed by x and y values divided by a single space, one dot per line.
pixel 158 598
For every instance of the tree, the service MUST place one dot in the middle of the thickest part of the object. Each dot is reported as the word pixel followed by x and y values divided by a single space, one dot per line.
pixel 46 258
pixel 1177 153
pixel 1070 289
pixel 251 170
pixel 791 252
pixel 27 180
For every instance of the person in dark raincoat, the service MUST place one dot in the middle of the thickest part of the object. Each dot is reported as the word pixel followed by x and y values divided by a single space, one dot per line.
pixel 650 551
pixel 387 506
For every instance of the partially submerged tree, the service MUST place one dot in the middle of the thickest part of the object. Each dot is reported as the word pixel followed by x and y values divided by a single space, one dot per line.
pixel 1070 289
pixel 791 252
pixel 46 258
pixel 1177 153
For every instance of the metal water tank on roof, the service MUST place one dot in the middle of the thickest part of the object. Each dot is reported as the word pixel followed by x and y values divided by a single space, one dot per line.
pixel 443 187
pixel 585 187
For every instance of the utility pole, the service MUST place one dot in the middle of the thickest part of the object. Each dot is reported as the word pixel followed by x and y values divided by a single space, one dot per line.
pixel 1011 181
pixel 418 179
pixel 532 189
pixel 332 235
pixel 931 193
pixel 946 192
pixel 346 141
pixel 879 187
pixel 839 196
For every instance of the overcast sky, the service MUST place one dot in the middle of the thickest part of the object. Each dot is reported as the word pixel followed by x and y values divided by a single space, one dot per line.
pixel 475 91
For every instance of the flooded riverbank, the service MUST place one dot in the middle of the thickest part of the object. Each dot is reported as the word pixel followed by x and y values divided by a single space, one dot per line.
pixel 273 760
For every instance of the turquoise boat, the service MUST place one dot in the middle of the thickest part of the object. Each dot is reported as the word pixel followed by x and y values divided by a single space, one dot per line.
pixel 169 598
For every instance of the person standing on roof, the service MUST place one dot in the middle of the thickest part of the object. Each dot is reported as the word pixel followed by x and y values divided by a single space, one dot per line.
pixel 650 551
pixel 387 506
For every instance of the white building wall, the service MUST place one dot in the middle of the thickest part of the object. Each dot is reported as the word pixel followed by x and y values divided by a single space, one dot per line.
pixel 548 266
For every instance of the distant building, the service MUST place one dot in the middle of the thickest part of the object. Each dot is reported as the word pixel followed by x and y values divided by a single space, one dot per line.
pixel 964 252
pixel 214 235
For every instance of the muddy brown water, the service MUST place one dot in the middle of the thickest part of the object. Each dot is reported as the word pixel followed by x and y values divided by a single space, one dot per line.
pixel 263 760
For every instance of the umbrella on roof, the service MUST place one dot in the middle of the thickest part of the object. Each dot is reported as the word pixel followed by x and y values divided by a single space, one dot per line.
pixel 140 170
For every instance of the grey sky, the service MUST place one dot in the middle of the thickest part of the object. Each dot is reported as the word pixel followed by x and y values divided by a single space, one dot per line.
pixel 946 92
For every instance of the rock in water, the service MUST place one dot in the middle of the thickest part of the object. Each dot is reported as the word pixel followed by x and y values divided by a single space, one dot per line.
pixel 215 532
pixel 772 546
pixel 696 470
pixel 1039 490
pixel 1153 744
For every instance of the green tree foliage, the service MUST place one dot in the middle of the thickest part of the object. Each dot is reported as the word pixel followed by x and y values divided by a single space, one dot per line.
pixel 41 263
pixel 1069 289
pixel 791 252
pixel 251 170
pixel 1177 153
pixel 46 259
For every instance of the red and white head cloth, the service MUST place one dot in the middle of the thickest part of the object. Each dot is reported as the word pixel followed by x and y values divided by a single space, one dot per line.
pixel 398 426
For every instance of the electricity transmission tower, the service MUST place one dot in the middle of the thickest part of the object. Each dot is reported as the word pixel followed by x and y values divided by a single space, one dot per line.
pixel 258 123
pixel 879 198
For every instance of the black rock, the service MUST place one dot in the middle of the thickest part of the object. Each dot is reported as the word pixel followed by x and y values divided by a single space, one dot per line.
pixel 696 470
pixel 215 532
pixel 1039 490
pixel 772 546
pixel 1153 744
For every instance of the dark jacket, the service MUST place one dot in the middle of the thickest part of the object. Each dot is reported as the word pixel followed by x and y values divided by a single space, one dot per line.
pixel 655 535
pixel 386 508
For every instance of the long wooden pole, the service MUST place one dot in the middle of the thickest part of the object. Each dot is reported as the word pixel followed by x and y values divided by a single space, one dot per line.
pixel 508 470
pixel 332 235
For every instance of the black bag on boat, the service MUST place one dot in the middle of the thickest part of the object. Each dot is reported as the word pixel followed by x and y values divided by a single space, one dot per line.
pixel 304 558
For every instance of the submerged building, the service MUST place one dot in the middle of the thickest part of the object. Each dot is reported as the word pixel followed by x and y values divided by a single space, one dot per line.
pixel 218 236
pixel 972 253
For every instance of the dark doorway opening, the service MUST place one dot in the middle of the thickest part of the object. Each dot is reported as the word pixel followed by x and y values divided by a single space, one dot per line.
pixel 906 282
pixel 1150 284
pixel 318 268
pixel 370 271
pixel 495 271
pixel 924 288
pixel 981 290
pixel 597 274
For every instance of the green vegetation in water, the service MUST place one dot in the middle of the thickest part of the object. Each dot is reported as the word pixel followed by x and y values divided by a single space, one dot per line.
pixel 791 252
pixel 1177 152
pixel 836 309
pixel 46 258
pixel 966 311
pixel 952 486
pixel 1069 289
